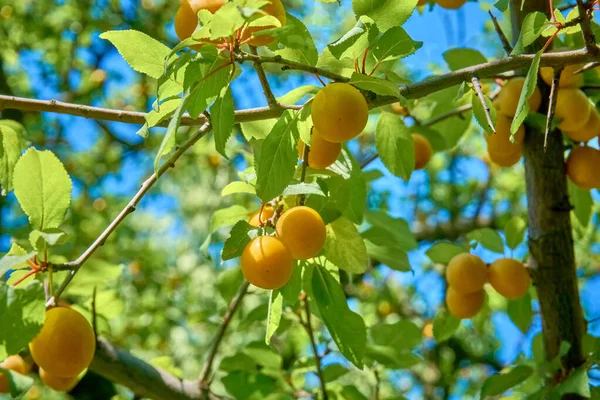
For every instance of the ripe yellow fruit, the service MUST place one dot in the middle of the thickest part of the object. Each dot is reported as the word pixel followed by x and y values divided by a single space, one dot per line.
pixel 186 19
pixel 509 277
pixel 451 4
pixel 66 344
pixel 464 305
pixel 466 273
pixel 505 160
pixel 590 130
pixel 58 383
pixel 573 108
pixel 339 112
pixel 397 108
pixel 499 143
pixel 423 151
pixel 567 78
pixel 322 153
pixel 508 98
pixel 303 231
pixel 267 213
pixel 267 263
pixel 583 165
pixel 277 10
pixel 13 363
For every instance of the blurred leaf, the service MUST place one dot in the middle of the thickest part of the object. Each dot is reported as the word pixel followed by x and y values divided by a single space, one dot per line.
pixel 577 382
pixel 346 328
pixel 392 256
pixel 582 202
pixel 488 238
pixel 345 247
pixel 237 187
pixel 22 312
pixel 460 58
pixel 403 335
pixel 50 237
pixel 498 384
pixel 515 232
pixel 444 325
pixel 391 357
pixel 227 217
pixel 229 282
pixel 143 53
pixel 443 252
pixel 18 385
pixel 520 312
pixel 274 317
pixel 244 385
pixel 43 188
pixel 97 272
pixel 10 151
pixel 15 258
pixel 333 371
pixel 388 230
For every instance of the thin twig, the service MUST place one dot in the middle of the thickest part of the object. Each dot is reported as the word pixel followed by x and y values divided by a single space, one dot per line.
pixel 203 379
pixel 94 315
pixel 74 266
pixel 262 76
pixel 505 43
pixel 586 28
pixel 313 343
pixel 377 383
pixel 481 97
pixel 368 160
pixel 587 67
pixel 552 104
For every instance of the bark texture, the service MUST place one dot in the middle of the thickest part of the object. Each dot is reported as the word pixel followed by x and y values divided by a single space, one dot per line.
pixel 550 231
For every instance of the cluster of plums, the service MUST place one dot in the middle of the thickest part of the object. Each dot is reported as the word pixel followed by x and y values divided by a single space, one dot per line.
pixel 63 349
pixel 268 261
pixel 467 274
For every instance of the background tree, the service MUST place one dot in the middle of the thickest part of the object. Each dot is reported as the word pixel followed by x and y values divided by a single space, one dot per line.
pixel 163 287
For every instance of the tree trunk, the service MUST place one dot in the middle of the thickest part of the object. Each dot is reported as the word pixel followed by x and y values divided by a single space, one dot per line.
pixel 550 233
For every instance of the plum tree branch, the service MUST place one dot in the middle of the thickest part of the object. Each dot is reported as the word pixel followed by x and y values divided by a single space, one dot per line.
pixel 586 28
pixel 309 330
pixel 203 379
pixel 141 378
pixel 505 43
pixel 73 266
pixel 262 76
pixel 412 91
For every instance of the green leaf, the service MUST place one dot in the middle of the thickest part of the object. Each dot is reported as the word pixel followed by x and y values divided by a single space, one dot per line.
pixel 227 217
pixel 577 382
pixel 225 21
pixel 18 385
pixel 333 371
pixel 245 385
pixel 168 142
pixel 257 129
pixel 40 240
pixel 443 252
pixel 582 203
pixel 349 189
pixel 488 238
pixel 460 58
pixel 502 5
pixel 22 313
pixel 143 53
pixel 298 42
pixel 345 247
pixel 228 283
pixel 97 273
pixel 395 44
pixel 392 358
pixel 396 230
pixel 444 325
pixel 205 82
pixel 480 114
pixel 347 329
pixel 515 232
pixel 403 335
pixel 354 42
pixel 395 146
pixel 297 94
pixel 303 188
pixel 387 14
pixel 10 151
pixel 15 258
pixel 238 187
pixel 376 85
pixel 43 188
pixel 275 311
pixel 528 89
pixel 222 118
pixel 392 256
pixel 241 234
pixel 496 385
pixel 521 312
pixel 531 29
pixel 278 157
